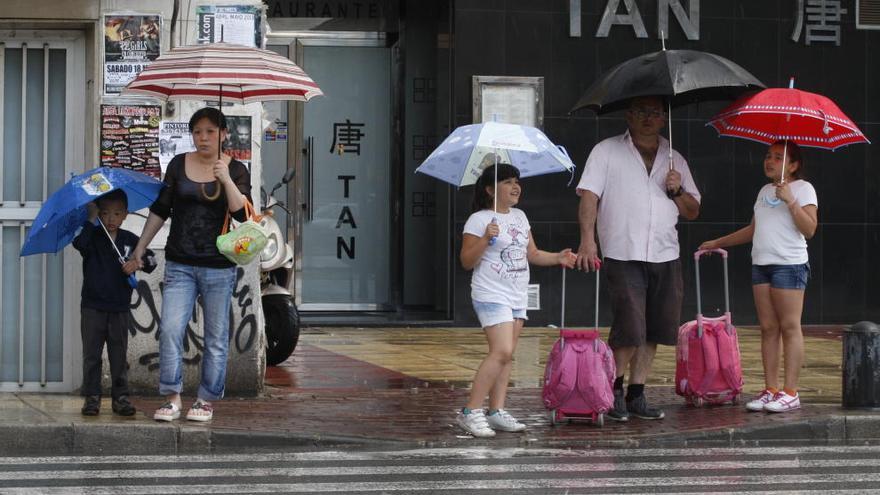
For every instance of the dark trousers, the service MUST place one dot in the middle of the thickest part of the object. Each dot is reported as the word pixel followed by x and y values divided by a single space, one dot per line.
pixel 98 328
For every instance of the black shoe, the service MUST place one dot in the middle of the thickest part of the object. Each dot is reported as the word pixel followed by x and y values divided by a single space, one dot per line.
pixel 619 412
pixel 122 406
pixel 91 406
pixel 638 407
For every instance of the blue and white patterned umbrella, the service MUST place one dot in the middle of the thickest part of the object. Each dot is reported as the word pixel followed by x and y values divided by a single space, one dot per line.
pixel 461 157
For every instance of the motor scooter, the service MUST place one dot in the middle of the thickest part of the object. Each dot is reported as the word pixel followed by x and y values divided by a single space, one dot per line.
pixel 276 270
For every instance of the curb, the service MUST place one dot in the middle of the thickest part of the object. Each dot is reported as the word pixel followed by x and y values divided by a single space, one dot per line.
pixel 158 439
pixel 147 439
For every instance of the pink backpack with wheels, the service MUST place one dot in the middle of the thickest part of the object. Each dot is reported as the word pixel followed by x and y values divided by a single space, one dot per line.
pixel 708 368
pixel 580 373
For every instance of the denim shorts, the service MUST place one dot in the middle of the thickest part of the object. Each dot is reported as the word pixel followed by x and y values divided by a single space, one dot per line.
pixel 491 314
pixel 781 276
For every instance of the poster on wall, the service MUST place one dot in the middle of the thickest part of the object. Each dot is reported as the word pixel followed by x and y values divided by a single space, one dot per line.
pixel 130 137
pixel 239 24
pixel 238 143
pixel 277 132
pixel 174 139
pixel 131 42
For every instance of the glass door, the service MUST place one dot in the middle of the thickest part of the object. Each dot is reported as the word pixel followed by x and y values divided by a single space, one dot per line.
pixel 343 220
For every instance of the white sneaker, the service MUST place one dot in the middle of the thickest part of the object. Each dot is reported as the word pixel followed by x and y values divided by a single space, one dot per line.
pixel 502 420
pixel 782 402
pixel 758 403
pixel 475 423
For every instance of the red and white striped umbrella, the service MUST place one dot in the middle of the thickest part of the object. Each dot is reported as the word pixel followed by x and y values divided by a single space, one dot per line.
pixel 236 73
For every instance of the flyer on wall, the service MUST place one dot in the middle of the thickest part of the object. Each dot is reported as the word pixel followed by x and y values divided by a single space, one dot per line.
pixel 238 143
pixel 238 24
pixel 131 42
pixel 174 139
pixel 130 137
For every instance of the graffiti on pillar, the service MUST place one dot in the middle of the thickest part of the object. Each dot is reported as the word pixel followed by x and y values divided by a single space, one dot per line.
pixel 242 301
pixel 147 314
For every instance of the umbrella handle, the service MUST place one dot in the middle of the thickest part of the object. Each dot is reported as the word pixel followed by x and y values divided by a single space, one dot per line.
pixel 494 238
pixel 132 281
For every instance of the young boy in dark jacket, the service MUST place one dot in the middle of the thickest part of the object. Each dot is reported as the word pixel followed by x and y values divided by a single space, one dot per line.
pixel 106 299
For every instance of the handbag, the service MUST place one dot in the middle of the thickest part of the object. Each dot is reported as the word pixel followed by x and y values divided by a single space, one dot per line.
pixel 243 242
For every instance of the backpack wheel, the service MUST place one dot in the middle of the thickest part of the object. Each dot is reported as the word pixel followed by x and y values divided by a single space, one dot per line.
pixel 553 419
pixel 600 420
pixel 699 402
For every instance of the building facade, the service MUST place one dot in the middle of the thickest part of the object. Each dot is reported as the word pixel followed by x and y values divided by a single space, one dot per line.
pixel 442 51
pixel 376 243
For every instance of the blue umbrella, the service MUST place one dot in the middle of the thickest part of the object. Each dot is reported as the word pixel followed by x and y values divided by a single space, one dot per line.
pixel 461 157
pixel 65 211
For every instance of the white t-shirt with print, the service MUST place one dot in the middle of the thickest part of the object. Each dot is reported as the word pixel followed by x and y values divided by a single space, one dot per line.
pixel 502 273
pixel 777 240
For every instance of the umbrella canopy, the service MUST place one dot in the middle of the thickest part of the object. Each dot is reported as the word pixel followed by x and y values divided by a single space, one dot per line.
pixel 683 76
pixel 236 73
pixel 64 212
pixel 461 157
pixel 788 114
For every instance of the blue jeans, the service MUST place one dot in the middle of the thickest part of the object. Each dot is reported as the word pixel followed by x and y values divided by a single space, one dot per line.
pixel 183 283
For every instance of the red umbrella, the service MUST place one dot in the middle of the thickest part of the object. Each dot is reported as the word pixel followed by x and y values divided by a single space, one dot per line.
pixel 236 73
pixel 788 114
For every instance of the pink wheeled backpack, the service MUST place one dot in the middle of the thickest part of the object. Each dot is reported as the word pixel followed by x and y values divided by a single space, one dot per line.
pixel 708 368
pixel 580 373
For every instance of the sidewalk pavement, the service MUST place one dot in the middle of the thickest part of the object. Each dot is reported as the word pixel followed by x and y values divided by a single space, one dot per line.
pixel 399 388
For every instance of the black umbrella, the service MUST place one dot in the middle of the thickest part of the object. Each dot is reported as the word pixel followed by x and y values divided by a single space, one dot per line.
pixel 680 76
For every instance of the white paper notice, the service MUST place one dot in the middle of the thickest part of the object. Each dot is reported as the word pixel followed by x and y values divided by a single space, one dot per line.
pixel 513 104
pixel 174 138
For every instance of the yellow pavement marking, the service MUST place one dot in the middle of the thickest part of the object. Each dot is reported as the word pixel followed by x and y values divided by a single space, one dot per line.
pixel 453 355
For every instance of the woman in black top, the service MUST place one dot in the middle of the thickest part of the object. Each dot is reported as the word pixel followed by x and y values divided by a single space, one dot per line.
pixel 201 190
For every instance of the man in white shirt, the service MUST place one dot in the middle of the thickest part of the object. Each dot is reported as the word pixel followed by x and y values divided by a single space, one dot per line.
pixel 629 186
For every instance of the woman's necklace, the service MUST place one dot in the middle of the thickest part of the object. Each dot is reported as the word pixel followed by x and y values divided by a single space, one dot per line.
pixel 217 188
pixel 212 197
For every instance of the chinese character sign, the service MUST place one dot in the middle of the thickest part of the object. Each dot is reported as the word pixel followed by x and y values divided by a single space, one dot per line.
pixel 130 137
pixel 131 42
pixel 347 137
pixel 823 19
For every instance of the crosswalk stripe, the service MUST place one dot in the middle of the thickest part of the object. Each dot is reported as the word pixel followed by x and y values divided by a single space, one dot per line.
pixel 173 471
pixel 742 482
pixel 480 470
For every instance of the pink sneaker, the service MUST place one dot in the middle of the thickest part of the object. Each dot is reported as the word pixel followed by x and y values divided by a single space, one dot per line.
pixel 758 403
pixel 782 402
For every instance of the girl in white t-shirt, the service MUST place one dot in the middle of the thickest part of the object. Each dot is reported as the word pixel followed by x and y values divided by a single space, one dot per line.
pixel 785 217
pixel 498 291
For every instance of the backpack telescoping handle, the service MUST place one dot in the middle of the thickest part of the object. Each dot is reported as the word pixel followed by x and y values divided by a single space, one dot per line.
pixel 596 314
pixel 699 254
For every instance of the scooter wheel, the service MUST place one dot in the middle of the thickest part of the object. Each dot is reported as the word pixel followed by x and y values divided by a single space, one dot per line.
pixel 282 327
